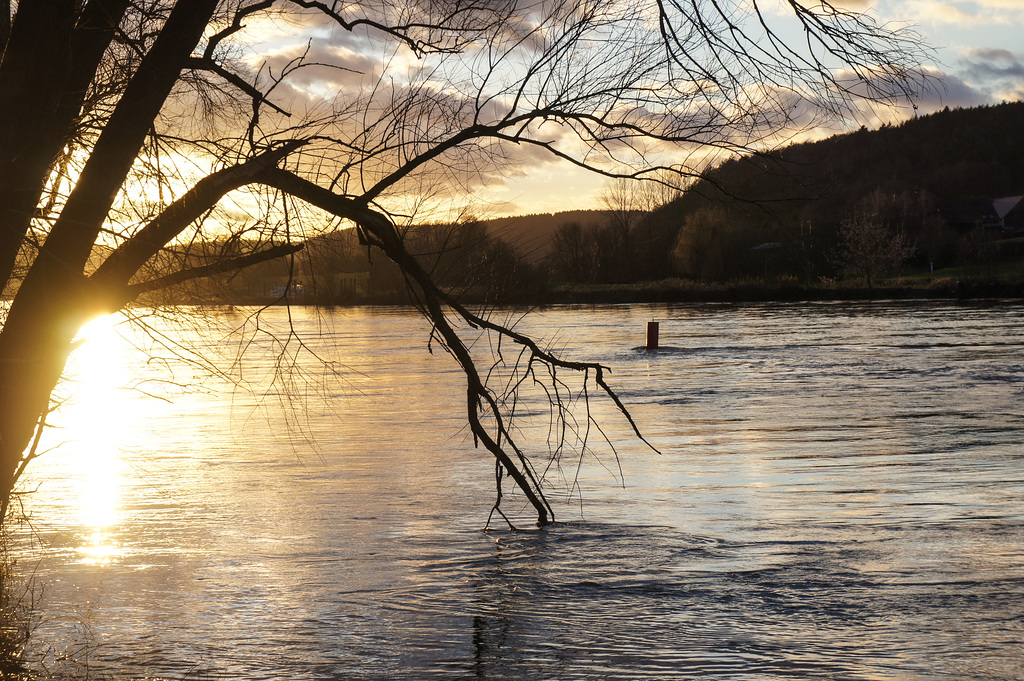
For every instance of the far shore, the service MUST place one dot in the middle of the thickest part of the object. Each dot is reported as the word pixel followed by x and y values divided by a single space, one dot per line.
pixel 665 291
pixel 685 292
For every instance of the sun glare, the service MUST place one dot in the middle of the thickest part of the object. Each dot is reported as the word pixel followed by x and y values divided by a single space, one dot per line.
pixel 89 425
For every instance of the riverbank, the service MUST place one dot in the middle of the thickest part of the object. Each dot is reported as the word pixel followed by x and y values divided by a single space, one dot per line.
pixel 680 291
pixel 671 290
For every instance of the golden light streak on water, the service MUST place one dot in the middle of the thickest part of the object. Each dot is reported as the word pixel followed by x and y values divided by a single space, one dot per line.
pixel 88 429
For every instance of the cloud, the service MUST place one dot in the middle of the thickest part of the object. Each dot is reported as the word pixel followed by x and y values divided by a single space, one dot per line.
pixel 992 64
pixel 327 66
pixel 962 12
pixel 1000 72
pixel 783 8
pixel 952 92
pixel 855 5
pixel 1000 4
pixel 377 104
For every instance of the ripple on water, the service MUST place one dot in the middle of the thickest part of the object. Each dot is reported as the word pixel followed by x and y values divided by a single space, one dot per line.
pixel 839 496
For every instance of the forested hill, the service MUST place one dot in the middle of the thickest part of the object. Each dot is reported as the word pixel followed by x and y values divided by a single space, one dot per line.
pixel 952 154
pixel 531 234
pixel 961 153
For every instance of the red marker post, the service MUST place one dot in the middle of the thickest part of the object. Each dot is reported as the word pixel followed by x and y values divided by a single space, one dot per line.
pixel 652 335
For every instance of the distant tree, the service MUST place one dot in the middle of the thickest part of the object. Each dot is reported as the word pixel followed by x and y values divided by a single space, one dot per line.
pixel 614 239
pixel 869 243
pixel 470 264
pixel 705 244
pixel 574 253
pixel 978 254
pixel 810 258
pixel 448 252
pixel 937 243
pixel 654 234
pixel 134 132
pixel 329 257
pixel 632 245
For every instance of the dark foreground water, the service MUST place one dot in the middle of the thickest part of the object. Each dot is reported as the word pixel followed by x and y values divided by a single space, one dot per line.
pixel 839 495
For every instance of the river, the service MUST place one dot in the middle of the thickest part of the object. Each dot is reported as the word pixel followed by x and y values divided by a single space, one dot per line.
pixel 837 493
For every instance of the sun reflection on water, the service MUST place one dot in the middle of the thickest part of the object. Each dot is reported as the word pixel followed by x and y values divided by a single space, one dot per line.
pixel 89 427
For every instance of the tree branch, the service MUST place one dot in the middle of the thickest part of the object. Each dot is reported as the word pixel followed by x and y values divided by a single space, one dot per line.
pixel 208 64
pixel 125 261
pixel 236 25
pixel 230 265
pixel 479 396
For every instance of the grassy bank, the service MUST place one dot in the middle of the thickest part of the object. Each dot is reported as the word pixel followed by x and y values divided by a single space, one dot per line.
pixel 923 286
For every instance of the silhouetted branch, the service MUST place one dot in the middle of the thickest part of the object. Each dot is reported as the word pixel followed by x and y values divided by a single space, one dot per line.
pixel 208 64
pixel 229 265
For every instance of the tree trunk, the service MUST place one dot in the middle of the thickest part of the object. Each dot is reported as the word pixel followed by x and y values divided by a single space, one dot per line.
pixel 34 356
pixel 50 59
pixel 56 298
pixel 33 77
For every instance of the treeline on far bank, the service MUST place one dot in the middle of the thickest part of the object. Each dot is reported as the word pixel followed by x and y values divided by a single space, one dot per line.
pixel 904 207
pixel 335 269
pixel 933 204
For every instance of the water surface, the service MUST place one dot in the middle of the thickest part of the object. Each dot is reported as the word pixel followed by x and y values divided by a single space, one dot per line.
pixel 839 494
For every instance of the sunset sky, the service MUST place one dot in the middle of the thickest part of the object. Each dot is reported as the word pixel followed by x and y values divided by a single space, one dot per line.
pixel 979 46
pixel 976 58
pixel 979 59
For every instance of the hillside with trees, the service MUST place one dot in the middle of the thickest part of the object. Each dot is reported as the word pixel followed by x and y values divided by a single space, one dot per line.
pixel 466 259
pixel 851 208
pixel 898 205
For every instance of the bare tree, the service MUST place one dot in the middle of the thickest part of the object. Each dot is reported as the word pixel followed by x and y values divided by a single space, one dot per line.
pixel 873 239
pixel 622 207
pixel 132 133
pixel 574 253
pixel 633 247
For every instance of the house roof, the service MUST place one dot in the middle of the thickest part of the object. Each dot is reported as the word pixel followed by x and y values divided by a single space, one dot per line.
pixel 968 212
pixel 1005 205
